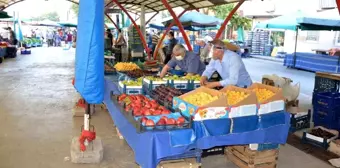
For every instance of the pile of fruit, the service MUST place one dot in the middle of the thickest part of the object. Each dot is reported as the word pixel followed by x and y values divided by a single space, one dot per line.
pixel 165 94
pixel 138 82
pixel 163 121
pixel 235 96
pixel 138 73
pixel 263 94
pixel 322 133
pixel 126 66
pixel 153 78
pixel 200 98
pixel 142 106
pixel 108 67
pixel 192 77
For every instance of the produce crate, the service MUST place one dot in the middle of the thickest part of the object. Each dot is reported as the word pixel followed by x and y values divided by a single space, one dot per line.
pixel 180 163
pixel 25 52
pixel 300 121
pixel 194 154
pixel 180 84
pixel 131 90
pixel 219 150
pixel 195 84
pixel 151 85
pixel 243 157
pixel 319 141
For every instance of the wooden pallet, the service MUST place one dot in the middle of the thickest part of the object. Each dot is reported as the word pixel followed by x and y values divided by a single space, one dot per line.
pixel 243 157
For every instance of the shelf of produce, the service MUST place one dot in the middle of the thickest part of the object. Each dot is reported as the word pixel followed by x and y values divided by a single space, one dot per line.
pixel 151 147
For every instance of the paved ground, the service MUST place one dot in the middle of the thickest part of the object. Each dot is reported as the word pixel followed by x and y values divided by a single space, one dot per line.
pixel 36 124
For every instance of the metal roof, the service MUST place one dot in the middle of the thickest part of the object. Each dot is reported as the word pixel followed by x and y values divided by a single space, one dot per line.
pixel 150 5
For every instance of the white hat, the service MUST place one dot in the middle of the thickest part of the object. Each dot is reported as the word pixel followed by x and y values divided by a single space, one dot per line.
pixel 206 39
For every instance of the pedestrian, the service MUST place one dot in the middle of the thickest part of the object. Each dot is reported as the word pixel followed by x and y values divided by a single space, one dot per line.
pixel 172 43
pixel 12 37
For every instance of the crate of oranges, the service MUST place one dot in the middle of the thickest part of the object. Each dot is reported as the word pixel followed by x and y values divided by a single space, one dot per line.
pixel 241 102
pixel 270 98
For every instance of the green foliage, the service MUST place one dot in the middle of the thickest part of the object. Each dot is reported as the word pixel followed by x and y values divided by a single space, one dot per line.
pixel 236 21
pixel 53 16
pixel 75 9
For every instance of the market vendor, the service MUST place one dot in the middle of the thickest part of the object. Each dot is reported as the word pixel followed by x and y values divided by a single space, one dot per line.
pixel 189 62
pixel 228 64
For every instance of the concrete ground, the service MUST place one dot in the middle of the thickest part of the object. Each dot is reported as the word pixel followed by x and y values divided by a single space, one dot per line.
pixel 36 123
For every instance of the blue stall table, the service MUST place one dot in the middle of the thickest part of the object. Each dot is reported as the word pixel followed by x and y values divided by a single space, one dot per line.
pixel 151 147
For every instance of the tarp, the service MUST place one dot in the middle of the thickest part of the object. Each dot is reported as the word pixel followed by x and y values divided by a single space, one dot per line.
pixel 190 28
pixel 68 24
pixel 197 19
pixel 18 31
pixel 303 21
pixel 89 65
pixel 45 23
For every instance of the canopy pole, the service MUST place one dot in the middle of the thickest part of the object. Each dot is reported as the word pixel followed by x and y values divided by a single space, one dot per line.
pixel 222 28
pixel 113 22
pixel 164 34
pixel 179 24
pixel 147 22
pixel 338 5
pixel 136 26
pixel 296 41
pixel 142 20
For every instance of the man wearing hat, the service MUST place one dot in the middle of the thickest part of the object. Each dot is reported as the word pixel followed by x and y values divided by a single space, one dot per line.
pixel 228 64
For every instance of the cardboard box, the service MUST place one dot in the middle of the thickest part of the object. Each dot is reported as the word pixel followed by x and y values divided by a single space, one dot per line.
pixel 190 110
pixel 246 107
pixel 334 147
pixel 272 104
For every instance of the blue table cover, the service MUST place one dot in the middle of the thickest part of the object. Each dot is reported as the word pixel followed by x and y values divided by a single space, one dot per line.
pixel 313 62
pixel 150 147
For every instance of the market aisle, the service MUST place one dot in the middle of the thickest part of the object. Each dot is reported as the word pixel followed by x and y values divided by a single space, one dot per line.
pixel 36 124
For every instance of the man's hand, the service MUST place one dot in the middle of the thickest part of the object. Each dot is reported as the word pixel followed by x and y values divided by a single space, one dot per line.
pixel 203 80
pixel 212 85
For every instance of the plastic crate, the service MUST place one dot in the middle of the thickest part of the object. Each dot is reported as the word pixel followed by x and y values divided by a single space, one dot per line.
pixel 316 141
pixel 327 100
pixel 326 117
pixel 300 121
pixel 213 151
pixel 25 52
pixel 131 90
pixel 180 84
pixel 150 85
pixel 326 85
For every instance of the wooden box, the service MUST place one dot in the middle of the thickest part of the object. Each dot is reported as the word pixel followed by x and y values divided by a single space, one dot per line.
pixel 181 163
pixel 243 157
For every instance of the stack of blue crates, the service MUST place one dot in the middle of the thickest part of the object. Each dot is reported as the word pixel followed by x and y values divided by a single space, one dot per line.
pixel 327 110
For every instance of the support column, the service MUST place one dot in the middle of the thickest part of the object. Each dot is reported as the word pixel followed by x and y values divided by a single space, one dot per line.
pixel 179 24
pixel 142 20
pixel 164 34
pixel 136 26
pixel 232 12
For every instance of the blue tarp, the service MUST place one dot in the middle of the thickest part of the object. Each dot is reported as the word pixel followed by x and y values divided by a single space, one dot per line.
pixel 151 147
pixel 197 19
pixel 161 27
pixel 89 65
pixel 190 28
pixel 313 62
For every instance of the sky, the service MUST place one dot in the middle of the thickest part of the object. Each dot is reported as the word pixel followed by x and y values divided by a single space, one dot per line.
pixel 33 8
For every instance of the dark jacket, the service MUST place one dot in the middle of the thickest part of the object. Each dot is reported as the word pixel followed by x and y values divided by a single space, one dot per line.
pixel 171 46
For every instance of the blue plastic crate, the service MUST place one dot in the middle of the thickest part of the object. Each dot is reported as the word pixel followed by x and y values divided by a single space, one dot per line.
pixel 300 121
pixel 180 84
pixel 25 52
pixel 327 100
pixel 326 117
pixel 244 124
pixel 271 119
pixel 149 85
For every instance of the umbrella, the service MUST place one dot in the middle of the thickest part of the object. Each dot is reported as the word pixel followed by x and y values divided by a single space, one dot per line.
pixel 68 24
pixel 4 15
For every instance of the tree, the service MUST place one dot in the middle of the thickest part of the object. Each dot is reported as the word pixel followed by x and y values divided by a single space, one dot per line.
pixel 236 21
pixel 53 16
pixel 75 9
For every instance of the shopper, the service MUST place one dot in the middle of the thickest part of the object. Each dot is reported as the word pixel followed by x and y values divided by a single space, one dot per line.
pixel 189 62
pixel 228 64
pixel 12 37
pixel 172 43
